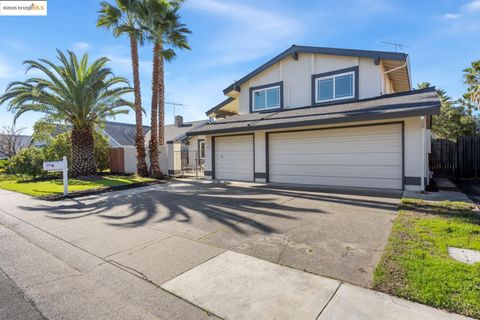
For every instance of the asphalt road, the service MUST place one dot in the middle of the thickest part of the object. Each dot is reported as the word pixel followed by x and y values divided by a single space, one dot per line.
pixel 13 305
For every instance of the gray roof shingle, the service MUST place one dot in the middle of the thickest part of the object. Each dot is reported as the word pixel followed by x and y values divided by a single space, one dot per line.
pixel 405 104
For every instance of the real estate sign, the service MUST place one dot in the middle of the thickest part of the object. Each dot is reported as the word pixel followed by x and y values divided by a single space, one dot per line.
pixel 59 166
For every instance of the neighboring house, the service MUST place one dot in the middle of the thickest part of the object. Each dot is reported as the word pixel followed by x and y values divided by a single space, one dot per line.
pixel 323 116
pixel 122 140
pixel 12 144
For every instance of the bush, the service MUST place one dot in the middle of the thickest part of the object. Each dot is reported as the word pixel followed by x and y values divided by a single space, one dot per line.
pixel 102 151
pixel 28 161
pixel 3 165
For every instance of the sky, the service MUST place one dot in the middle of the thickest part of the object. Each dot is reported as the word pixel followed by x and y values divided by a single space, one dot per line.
pixel 231 38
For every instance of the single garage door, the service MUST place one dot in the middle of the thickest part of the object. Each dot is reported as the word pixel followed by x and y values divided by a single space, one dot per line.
pixel 234 158
pixel 369 156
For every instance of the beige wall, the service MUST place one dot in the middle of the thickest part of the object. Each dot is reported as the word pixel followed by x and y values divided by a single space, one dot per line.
pixel 296 77
pixel 412 144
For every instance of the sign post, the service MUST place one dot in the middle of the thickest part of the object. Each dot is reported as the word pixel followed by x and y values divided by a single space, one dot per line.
pixel 59 166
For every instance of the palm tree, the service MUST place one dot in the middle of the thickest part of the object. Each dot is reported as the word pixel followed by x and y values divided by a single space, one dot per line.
pixel 82 94
pixel 472 79
pixel 161 21
pixel 121 20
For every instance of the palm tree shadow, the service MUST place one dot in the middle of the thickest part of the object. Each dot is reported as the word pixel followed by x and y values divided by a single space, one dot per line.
pixel 232 206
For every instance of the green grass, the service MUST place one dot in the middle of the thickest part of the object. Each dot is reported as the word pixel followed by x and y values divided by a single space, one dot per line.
pixel 416 265
pixel 49 187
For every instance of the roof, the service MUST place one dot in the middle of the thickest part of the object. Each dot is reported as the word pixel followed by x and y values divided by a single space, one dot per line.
pixel 173 133
pixel 122 133
pixel 396 105
pixel 294 49
pixel 220 105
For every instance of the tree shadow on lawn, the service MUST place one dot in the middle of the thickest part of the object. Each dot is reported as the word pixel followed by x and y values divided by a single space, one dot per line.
pixel 232 206
pixel 447 209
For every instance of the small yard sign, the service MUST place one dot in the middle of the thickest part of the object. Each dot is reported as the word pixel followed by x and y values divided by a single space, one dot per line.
pixel 59 166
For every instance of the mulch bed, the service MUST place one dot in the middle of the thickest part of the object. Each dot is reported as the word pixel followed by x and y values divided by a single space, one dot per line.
pixel 83 193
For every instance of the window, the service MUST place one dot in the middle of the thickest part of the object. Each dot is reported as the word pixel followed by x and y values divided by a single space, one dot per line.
pixel 266 98
pixel 201 149
pixel 335 87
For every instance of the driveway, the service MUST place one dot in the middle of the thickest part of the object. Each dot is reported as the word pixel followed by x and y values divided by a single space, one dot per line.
pixel 336 233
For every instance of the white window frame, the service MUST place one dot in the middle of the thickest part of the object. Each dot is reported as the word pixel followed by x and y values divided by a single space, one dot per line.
pixel 266 89
pixel 333 76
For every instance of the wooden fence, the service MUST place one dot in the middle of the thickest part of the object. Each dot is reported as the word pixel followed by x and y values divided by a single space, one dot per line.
pixel 459 159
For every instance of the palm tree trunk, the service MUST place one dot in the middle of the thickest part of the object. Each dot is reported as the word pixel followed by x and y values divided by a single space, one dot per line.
pixel 83 160
pixel 153 144
pixel 161 102
pixel 142 169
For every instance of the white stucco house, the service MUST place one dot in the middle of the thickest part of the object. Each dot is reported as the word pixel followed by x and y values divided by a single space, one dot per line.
pixel 323 116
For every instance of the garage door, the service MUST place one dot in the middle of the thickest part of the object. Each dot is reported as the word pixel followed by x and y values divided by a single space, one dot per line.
pixel 368 156
pixel 234 158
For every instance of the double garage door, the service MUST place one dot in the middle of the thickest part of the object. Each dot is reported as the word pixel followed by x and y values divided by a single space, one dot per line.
pixel 367 156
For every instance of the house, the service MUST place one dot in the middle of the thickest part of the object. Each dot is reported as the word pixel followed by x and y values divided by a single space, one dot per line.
pixel 122 140
pixel 12 144
pixel 323 116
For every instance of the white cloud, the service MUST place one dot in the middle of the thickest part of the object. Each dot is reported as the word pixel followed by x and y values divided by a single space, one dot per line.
pixel 250 32
pixel 81 47
pixel 473 6
pixel 451 16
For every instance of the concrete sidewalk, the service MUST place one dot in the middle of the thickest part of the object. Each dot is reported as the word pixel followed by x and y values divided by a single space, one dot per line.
pixel 143 273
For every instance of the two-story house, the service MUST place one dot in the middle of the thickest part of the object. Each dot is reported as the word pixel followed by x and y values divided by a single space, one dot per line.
pixel 323 116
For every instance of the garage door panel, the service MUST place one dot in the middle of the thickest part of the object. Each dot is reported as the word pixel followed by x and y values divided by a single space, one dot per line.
pixel 339 181
pixel 340 171
pixel 394 158
pixel 234 158
pixel 360 156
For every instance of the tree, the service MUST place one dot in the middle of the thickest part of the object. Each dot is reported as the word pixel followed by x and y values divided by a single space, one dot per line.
pixel 454 120
pixel 12 140
pixel 161 21
pixel 81 94
pixel 472 80
pixel 122 20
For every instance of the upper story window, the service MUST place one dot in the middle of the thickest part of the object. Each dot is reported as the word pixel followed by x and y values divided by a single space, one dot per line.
pixel 334 86
pixel 266 97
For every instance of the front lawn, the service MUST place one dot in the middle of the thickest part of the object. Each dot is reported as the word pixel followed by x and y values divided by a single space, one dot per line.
pixel 416 264
pixel 55 186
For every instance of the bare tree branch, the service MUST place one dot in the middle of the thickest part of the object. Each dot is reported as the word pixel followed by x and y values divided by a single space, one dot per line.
pixel 12 140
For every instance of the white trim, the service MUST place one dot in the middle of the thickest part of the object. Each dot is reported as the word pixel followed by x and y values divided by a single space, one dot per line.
pixel 333 76
pixel 266 89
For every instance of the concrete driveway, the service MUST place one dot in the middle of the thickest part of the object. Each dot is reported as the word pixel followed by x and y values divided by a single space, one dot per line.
pixel 201 250
pixel 336 233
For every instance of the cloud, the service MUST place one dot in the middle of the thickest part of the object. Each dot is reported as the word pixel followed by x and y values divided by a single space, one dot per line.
pixel 473 6
pixel 450 16
pixel 81 46
pixel 249 32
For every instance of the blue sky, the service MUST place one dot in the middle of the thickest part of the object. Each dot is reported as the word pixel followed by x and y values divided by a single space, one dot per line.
pixel 231 38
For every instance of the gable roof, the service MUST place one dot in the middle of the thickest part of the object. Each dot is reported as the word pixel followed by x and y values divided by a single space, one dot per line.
pixel 173 133
pixel 122 133
pixel 294 50
pixel 220 105
pixel 390 106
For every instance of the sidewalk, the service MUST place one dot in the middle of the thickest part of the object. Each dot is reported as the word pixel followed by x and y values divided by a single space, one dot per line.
pixel 66 281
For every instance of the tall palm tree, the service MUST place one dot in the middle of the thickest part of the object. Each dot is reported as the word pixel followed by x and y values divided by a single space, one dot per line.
pixel 82 94
pixel 161 21
pixel 122 20
pixel 472 79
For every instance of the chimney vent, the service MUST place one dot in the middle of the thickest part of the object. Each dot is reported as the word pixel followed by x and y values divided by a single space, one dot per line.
pixel 178 121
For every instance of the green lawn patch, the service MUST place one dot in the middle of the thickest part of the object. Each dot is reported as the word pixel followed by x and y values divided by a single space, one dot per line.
pixel 55 186
pixel 416 265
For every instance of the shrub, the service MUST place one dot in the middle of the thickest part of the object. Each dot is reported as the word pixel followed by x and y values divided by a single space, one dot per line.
pixel 3 165
pixel 28 161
